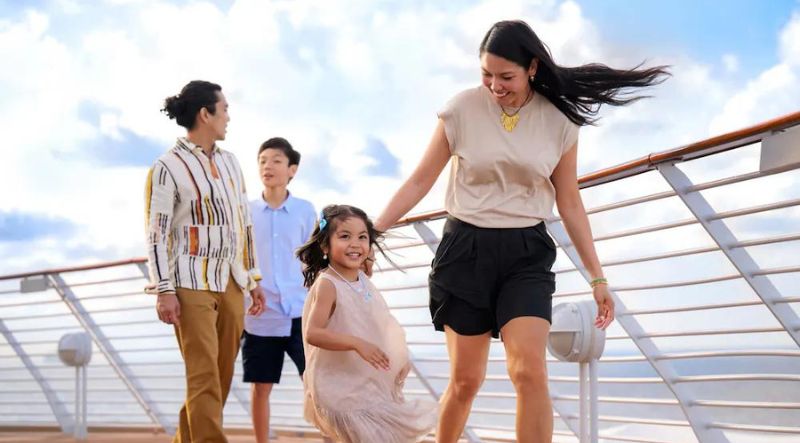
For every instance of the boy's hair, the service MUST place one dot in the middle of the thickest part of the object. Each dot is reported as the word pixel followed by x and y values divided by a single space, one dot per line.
pixel 196 95
pixel 284 146
pixel 311 255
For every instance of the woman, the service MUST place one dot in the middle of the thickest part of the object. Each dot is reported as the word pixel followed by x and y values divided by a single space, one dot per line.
pixel 513 141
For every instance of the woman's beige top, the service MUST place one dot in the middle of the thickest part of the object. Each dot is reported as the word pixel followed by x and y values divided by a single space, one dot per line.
pixel 345 397
pixel 501 179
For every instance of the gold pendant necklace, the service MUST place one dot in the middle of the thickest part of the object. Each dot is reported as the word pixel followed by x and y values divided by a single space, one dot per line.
pixel 509 121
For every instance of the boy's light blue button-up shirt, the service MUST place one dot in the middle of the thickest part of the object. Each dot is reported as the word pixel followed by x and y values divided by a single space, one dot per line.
pixel 278 233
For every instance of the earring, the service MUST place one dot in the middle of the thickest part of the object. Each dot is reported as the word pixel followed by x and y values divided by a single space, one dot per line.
pixel 532 77
pixel 324 256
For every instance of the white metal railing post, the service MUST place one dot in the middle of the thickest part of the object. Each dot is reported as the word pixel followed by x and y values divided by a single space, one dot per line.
pixel 698 419
pixel 56 405
pixel 593 403
pixel 81 403
pixel 587 402
pixel 583 403
pixel 236 390
pixel 143 268
pixel 739 257
pixel 107 349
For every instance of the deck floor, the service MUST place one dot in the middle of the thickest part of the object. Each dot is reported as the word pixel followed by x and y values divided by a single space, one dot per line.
pixel 136 437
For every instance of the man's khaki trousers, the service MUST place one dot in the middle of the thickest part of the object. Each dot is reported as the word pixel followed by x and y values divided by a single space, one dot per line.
pixel 211 326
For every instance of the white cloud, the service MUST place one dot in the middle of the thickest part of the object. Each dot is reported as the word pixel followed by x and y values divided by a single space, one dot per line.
pixel 790 41
pixel 772 93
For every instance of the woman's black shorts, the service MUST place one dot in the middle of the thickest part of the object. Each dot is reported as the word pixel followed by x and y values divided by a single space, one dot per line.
pixel 481 278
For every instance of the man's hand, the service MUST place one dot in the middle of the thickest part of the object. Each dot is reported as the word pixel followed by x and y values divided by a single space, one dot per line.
pixel 169 308
pixel 258 304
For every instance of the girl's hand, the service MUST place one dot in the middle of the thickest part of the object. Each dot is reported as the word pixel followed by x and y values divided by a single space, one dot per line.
pixel 401 376
pixel 372 355
pixel 605 306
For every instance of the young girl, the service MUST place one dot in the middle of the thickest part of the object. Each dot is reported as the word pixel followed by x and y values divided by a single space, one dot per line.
pixel 356 353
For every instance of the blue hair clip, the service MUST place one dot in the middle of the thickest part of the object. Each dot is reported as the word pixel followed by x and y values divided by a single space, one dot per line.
pixel 322 221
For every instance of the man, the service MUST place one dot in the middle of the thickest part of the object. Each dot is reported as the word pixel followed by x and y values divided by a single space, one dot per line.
pixel 282 223
pixel 201 256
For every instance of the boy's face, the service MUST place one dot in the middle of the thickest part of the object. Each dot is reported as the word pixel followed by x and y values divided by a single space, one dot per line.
pixel 274 169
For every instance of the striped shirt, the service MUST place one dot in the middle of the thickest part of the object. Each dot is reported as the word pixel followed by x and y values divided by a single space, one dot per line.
pixel 198 223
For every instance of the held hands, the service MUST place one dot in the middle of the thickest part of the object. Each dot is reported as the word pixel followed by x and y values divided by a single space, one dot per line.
pixel 257 305
pixel 369 262
pixel 605 306
pixel 169 308
pixel 372 355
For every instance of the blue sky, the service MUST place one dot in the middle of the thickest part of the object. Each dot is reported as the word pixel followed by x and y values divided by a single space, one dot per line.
pixel 355 85
pixel 704 29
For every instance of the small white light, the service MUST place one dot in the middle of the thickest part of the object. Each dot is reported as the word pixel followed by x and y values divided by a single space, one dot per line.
pixel 37 283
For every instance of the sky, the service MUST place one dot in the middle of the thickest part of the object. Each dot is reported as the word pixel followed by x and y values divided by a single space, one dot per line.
pixel 354 85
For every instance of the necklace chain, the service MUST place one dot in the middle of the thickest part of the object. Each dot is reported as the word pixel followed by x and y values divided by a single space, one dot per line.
pixel 363 292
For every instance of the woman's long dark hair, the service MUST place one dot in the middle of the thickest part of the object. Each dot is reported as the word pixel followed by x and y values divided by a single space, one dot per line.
pixel 577 92
pixel 311 255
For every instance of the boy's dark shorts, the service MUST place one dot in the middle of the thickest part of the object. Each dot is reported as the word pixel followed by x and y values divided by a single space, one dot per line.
pixel 262 357
pixel 481 278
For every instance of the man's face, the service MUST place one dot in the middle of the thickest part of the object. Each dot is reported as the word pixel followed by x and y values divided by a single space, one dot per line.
pixel 218 121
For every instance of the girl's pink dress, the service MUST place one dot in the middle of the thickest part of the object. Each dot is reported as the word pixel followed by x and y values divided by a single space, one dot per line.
pixel 348 399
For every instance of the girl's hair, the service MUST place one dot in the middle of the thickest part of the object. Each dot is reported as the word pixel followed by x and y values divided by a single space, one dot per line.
pixel 577 92
pixel 196 95
pixel 311 253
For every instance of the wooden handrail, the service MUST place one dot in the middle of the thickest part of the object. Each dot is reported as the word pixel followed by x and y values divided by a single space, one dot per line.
pixel 101 265
pixel 712 145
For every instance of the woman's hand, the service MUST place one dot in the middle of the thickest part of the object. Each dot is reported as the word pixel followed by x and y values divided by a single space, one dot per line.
pixel 369 262
pixel 605 306
pixel 372 355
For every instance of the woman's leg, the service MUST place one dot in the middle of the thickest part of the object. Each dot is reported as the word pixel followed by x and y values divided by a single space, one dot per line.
pixel 525 340
pixel 468 357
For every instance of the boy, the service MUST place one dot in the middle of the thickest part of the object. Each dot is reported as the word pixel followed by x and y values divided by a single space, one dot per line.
pixel 282 223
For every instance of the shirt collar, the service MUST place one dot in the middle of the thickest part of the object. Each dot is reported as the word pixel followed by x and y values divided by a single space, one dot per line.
pixel 185 144
pixel 288 205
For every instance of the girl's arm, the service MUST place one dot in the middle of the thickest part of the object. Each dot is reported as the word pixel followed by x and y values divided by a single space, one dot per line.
pixel 573 214
pixel 323 303
pixel 420 181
